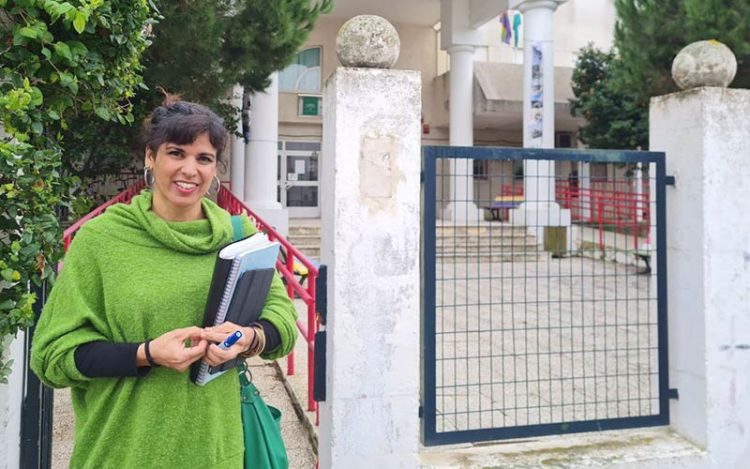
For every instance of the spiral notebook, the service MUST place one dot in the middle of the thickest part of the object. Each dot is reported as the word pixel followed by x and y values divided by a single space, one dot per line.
pixel 242 277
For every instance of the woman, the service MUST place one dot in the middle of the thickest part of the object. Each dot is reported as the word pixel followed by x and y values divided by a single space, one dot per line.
pixel 120 325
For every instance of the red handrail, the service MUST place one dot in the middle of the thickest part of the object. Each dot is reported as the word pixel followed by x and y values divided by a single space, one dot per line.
pixel 233 205
pixel 611 202
pixel 229 202
pixel 124 197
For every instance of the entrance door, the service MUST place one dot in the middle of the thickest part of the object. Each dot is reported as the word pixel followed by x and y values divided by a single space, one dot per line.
pixel 298 178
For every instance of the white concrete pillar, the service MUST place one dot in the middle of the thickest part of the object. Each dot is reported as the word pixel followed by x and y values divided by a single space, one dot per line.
pixel 540 208
pixel 708 266
pixel 11 400
pixel 370 208
pixel 237 162
pixel 461 119
pixel 584 182
pixel 261 158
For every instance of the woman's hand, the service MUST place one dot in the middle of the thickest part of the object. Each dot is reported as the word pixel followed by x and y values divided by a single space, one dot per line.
pixel 215 335
pixel 171 349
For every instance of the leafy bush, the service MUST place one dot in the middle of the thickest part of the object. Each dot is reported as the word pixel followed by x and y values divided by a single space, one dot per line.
pixel 60 61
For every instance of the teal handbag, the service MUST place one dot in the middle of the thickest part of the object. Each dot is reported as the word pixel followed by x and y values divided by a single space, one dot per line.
pixel 261 423
pixel 261 426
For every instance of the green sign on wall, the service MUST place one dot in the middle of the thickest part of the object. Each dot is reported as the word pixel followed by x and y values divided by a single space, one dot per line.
pixel 309 105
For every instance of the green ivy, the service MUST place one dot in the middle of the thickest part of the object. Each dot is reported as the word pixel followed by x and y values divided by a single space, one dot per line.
pixel 60 61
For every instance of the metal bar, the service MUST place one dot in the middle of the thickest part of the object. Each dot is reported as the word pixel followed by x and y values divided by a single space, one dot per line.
pixel 557 154
pixel 466 436
pixel 429 201
pixel 661 269
pixel 36 410
pixel 312 328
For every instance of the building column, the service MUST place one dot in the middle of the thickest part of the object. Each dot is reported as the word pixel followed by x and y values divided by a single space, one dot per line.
pixel 261 158
pixel 584 182
pixel 237 162
pixel 540 208
pixel 461 111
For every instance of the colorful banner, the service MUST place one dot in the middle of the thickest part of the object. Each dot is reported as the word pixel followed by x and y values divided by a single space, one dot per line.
pixel 505 30
pixel 536 111
pixel 516 27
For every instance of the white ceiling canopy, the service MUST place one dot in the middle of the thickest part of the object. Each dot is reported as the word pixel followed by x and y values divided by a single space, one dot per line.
pixel 423 12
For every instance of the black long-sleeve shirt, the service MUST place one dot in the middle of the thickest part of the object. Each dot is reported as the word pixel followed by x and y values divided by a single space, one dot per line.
pixel 111 360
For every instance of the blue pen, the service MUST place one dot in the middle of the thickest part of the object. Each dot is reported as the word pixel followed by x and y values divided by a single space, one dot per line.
pixel 231 340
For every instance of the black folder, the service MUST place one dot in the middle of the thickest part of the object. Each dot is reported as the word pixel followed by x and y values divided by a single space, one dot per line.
pixel 242 277
pixel 247 304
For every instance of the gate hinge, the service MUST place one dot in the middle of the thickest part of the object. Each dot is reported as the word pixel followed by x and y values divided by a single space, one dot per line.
pixel 421 177
pixel 673 394
pixel 321 294
pixel 421 412
pixel 669 180
pixel 319 376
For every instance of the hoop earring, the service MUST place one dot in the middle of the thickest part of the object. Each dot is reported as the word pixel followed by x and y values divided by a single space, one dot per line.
pixel 212 191
pixel 148 176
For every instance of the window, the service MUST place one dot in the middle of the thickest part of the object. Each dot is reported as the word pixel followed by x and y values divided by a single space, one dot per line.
pixel 303 74
pixel 481 169
pixel 564 139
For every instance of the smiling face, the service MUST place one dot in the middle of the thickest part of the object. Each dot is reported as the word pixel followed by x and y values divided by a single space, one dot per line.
pixel 182 176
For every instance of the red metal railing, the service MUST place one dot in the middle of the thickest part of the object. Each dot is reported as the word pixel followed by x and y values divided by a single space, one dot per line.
pixel 123 197
pixel 233 205
pixel 608 203
pixel 229 202
pixel 612 203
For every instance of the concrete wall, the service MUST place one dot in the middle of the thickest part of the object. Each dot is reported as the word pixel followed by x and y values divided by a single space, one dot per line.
pixel 706 136
pixel 371 206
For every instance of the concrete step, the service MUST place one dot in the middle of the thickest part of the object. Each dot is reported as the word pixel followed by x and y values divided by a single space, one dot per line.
pixel 487 249
pixel 306 237
pixel 305 242
pixel 486 235
pixel 311 252
pixel 494 241
pixel 303 236
pixel 489 258
pixel 304 230
pixel 483 251
pixel 495 230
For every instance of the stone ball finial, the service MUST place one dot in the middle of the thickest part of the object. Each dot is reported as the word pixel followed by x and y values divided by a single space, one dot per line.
pixel 704 63
pixel 368 41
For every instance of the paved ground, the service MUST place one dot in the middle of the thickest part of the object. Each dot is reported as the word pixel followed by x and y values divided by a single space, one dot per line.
pixel 525 343
pixel 266 377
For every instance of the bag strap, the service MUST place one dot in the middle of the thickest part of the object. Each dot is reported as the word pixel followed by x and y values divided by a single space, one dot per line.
pixel 237 230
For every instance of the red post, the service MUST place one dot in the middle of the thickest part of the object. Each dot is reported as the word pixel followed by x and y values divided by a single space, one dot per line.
pixel 601 223
pixel 312 328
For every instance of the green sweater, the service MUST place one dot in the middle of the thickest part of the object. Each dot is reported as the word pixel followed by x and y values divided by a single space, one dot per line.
pixel 129 276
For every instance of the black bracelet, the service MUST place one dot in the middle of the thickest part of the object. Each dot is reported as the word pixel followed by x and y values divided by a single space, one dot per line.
pixel 149 358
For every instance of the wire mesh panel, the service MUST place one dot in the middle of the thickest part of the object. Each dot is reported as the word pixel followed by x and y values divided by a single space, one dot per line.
pixel 544 283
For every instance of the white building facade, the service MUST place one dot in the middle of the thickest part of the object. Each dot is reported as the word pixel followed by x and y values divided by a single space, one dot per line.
pixel 452 40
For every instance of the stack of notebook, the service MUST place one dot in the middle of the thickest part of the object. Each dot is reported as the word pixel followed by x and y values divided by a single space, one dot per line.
pixel 239 286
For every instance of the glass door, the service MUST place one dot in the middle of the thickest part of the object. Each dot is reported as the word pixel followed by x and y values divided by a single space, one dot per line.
pixel 298 178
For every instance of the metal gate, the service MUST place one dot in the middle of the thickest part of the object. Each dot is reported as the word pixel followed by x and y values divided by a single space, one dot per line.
pixel 544 282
